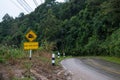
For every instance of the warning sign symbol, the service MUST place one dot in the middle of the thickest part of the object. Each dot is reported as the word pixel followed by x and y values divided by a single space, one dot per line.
pixel 31 36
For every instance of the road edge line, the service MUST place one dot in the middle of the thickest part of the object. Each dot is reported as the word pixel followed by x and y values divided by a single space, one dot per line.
pixel 66 68
pixel 63 65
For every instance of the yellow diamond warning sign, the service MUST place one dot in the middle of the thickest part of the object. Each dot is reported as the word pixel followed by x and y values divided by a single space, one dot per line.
pixel 31 36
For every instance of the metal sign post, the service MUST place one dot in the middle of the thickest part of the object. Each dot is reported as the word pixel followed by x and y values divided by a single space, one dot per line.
pixel 30 57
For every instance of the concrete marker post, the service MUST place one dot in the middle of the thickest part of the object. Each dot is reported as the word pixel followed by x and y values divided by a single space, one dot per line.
pixel 58 54
pixel 53 59
pixel 63 54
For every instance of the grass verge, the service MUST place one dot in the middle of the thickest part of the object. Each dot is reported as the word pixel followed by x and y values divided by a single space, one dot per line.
pixel 106 58
pixel 58 60
pixel 111 59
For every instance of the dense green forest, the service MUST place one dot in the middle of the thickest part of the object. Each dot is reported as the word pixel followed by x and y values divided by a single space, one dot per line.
pixel 76 27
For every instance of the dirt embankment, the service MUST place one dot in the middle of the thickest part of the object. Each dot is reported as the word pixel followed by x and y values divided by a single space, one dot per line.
pixel 39 68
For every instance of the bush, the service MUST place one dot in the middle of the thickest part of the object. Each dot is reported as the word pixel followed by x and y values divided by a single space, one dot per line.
pixel 10 53
pixel 2 60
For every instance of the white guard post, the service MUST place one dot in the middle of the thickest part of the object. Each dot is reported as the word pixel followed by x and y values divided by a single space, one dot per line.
pixel 53 59
pixel 58 54
pixel 63 54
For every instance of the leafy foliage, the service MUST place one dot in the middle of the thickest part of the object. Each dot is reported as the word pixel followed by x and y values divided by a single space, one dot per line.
pixel 77 27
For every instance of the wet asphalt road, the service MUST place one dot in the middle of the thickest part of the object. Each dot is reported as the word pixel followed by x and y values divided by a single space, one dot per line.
pixel 91 69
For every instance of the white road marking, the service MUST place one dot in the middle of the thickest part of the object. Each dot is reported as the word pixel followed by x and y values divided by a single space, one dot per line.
pixel 63 65
pixel 66 68
pixel 71 72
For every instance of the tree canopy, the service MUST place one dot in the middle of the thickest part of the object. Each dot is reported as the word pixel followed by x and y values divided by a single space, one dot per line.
pixel 77 27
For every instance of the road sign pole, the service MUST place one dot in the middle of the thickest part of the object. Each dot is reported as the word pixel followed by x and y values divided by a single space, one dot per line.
pixel 30 57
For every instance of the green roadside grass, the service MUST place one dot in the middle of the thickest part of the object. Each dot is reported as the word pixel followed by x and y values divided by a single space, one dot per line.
pixel 58 60
pixel 106 58
pixel 111 59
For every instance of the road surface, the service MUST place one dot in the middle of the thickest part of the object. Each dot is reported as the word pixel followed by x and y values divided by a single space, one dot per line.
pixel 91 69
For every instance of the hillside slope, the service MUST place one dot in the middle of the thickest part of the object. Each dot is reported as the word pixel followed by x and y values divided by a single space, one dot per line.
pixel 77 27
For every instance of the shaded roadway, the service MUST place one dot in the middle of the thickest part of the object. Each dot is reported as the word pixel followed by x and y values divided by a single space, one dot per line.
pixel 91 69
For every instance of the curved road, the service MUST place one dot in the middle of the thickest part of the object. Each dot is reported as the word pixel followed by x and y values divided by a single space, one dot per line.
pixel 91 69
